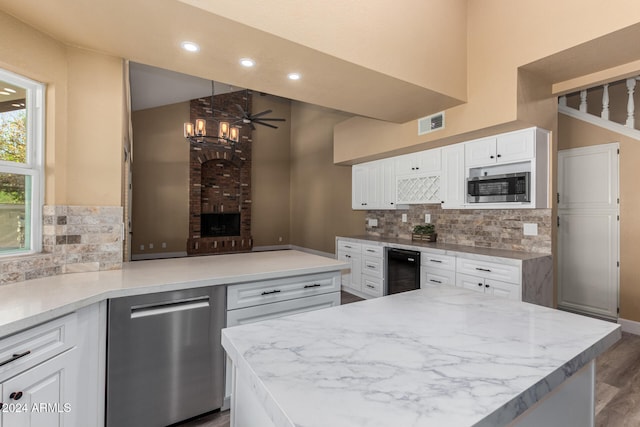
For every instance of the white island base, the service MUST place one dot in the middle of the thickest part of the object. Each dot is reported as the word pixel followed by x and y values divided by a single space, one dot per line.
pixel 432 357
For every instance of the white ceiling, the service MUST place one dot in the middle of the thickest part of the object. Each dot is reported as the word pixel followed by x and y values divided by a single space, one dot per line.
pixel 153 87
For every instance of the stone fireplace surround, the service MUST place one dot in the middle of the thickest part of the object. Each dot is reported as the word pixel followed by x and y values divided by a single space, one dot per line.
pixel 220 178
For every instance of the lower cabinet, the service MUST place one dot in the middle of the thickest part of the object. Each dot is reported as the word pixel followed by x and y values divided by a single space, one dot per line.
pixel 489 286
pixel 44 395
pixel 351 253
pixel 269 299
pixel 53 374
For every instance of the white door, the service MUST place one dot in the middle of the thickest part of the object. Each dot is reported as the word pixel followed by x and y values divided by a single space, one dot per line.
pixel 588 229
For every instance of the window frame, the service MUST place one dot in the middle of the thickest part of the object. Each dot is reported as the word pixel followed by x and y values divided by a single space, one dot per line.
pixel 34 166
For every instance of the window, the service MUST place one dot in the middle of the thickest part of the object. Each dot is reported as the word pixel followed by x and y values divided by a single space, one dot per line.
pixel 21 164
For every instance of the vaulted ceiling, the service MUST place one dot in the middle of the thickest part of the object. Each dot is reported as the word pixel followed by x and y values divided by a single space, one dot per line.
pixel 373 58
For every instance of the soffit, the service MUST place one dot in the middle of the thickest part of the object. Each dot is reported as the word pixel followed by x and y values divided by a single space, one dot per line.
pixel 150 33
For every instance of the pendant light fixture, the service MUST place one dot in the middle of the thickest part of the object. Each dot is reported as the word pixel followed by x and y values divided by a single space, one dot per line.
pixel 226 135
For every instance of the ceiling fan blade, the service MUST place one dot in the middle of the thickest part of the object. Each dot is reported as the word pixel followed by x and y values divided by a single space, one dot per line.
pixel 258 122
pixel 252 126
pixel 262 113
pixel 244 113
pixel 272 120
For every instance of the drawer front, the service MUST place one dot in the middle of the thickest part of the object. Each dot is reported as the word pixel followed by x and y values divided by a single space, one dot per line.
pixel 437 277
pixel 349 246
pixel 373 286
pixel 373 266
pixel 490 270
pixel 270 291
pixel 283 308
pixel 33 346
pixel 373 251
pixel 444 262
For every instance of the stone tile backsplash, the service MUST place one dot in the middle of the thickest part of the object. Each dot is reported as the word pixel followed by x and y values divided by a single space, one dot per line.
pixel 74 239
pixel 489 228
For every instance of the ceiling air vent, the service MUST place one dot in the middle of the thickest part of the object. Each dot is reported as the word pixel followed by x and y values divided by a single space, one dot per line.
pixel 431 123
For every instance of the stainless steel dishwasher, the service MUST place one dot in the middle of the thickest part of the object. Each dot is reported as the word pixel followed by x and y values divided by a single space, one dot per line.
pixel 165 362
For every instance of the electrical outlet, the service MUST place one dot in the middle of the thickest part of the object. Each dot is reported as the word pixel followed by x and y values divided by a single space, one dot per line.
pixel 164 245
pixel 280 239
pixel 404 217
pixel 150 245
pixel 530 229
pixel 427 218
pixel 142 247
pixel 372 222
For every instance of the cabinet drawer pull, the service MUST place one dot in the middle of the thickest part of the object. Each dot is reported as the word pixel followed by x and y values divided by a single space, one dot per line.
pixel 347 256
pixel 435 281
pixel 370 286
pixel 371 266
pixel 370 250
pixel 479 284
pixel 486 286
pixel 275 291
pixel 15 395
pixel 483 269
pixel 435 260
pixel 315 285
pixel 15 356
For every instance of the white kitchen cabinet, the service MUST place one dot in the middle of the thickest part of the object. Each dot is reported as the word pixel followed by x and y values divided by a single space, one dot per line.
pixel 504 148
pixel 53 374
pixel 488 286
pixel 419 163
pixel 352 254
pixel 452 180
pixel 44 395
pixel 373 185
pixel 437 269
pixel 372 270
pixel 494 270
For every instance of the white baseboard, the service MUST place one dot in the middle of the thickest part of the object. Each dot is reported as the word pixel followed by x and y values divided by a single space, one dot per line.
pixel 270 248
pixel 630 326
pixel 158 255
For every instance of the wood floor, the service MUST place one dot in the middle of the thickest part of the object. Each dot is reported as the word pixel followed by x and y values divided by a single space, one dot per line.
pixel 617 385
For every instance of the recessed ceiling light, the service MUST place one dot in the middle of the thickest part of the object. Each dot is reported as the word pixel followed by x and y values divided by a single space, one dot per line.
pixel 247 62
pixel 8 89
pixel 190 46
pixel 294 76
pixel 4 93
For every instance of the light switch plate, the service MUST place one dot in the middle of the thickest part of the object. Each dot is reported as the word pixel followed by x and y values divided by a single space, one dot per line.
pixel 427 218
pixel 372 222
pixel 530 229
pixel 404 217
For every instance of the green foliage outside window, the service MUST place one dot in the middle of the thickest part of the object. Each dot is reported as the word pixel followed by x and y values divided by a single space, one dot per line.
pixel 13 148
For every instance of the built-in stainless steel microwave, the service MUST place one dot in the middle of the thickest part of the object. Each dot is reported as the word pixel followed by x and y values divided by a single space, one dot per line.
pixel 510 187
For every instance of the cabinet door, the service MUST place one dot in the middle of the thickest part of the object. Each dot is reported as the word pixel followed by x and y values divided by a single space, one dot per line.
pixel 359 178
pixel 351 278
pixel 47 394
pixel 515 146
pixel 429 160
pixel 472 283
pixel 405 164
pixel 452 181
pixel 375 185
pixel 480 152
pixel 388 172
pixel 502 289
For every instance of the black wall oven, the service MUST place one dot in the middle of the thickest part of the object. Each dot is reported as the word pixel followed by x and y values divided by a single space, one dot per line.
pixel 403 271
pixel 510 187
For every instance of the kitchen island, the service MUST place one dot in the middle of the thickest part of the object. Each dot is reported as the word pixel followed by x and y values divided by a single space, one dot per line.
pixel 439 356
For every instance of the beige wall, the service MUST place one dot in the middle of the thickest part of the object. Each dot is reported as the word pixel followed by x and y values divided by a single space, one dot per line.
pixel 320 190
pixel 270 174
pixel 160 173
pixel 84 94
pixel 573 133
pixel 502 37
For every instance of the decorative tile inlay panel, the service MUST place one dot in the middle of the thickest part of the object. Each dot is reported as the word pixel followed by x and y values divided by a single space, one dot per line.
pixel 74 239
pixel 490 228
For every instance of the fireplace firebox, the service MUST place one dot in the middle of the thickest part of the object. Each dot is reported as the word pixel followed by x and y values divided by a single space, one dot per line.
pixel 219 224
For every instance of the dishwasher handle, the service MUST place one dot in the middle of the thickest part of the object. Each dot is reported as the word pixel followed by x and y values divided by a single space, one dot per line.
pixel 169 307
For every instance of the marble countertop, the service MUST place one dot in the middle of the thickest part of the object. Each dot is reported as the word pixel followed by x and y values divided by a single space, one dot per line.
pixel 446 248
pixel 440 356
pixel 29 303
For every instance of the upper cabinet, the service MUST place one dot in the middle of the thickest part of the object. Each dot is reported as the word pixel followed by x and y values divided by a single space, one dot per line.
pixel 418 177
pixel 440 175
pixel 506 148
pixel 373 185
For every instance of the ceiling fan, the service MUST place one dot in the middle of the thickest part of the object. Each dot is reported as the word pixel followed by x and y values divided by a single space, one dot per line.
pixel 245 117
